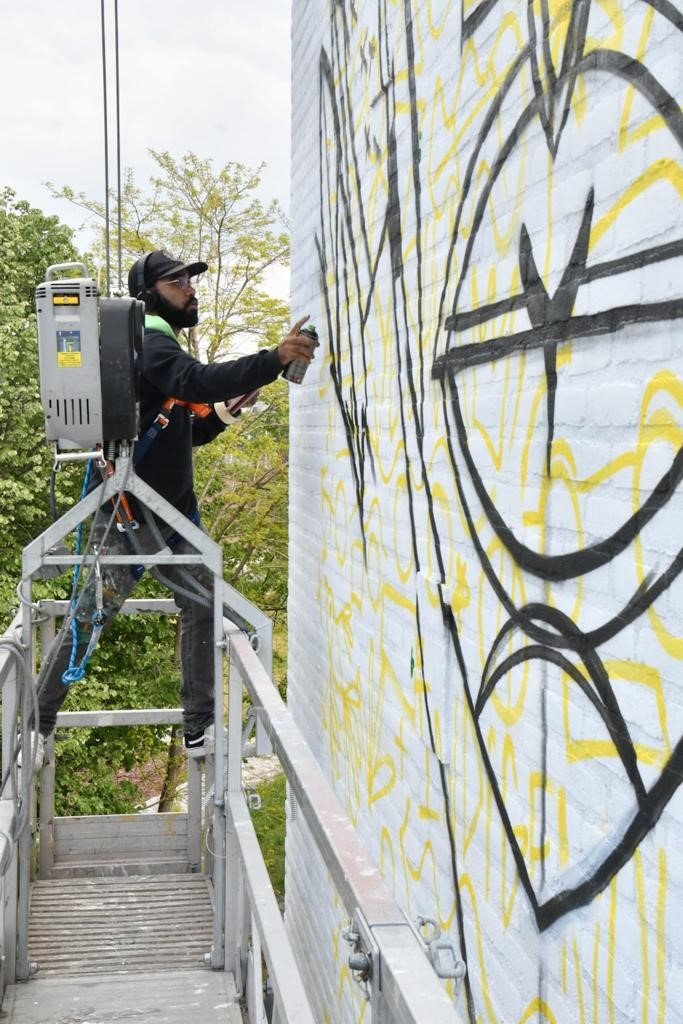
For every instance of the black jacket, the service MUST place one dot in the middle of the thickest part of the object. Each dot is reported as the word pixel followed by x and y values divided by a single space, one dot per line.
pixel 168 371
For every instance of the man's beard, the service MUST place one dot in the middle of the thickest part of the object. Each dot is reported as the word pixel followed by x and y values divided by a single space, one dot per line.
pixel 176 317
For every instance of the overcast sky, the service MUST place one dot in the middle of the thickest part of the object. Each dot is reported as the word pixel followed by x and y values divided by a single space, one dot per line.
pixel 210 76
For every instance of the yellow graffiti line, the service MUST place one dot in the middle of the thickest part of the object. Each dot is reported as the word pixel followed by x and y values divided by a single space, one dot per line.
pixel 579 986
pixel 560 19
pixel 625 137
pixel 386 853
pixel 400 493
pixel 641 900
pixel 520 832
pixel 645 675
pixel 586 750
pixel 385 761
pixel 665 169
pixel 473 821
pixel 434 29
pixel 661 937
pixel 424 810
pixel 563 967
pixel 612 947
pixel 387 474
pixel 511 713
pixel 438 738
pixel 387 672
pixel 562 826
pixel 625 461
pixel 486 79
pixel 503 240
pixel 596 967
pixel 615 40
pixel 400 743
pixel 537 783
pixel 462 594
pixel 580 100
pixel 491 747
pixel 581 750
pixel 415 871
pixel 444 121
pixel 482 977
pixel 538 1008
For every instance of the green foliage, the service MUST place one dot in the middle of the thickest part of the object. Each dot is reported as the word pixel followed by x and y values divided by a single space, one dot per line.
pixel 29 242
pixel 270 827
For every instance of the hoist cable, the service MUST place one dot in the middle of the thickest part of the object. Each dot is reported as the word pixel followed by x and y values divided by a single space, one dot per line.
pixel 118 142
pixel 106 148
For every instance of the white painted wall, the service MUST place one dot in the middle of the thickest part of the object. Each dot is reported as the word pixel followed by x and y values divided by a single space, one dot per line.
pixel 486 607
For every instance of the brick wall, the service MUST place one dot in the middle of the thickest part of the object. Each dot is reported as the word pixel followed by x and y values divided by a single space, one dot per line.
pixel 486 606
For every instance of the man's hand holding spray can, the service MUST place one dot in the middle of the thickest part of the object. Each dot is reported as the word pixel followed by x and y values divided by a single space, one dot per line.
pixel 296 370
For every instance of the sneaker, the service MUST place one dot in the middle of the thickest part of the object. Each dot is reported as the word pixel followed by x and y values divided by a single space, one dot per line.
pixel 200 744
pixel 37 745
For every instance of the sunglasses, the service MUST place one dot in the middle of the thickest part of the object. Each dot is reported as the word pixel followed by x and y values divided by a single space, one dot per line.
pixel 181 281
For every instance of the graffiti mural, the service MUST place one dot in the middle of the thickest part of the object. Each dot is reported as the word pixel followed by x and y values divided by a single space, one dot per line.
pixel 500 247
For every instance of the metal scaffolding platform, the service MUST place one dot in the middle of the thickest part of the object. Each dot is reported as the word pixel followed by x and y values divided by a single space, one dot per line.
pixel 170 918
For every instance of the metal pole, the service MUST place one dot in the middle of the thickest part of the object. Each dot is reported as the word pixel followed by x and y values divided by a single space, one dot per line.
pixel 25 839
pixel 46 813
pixel 218 949
pixel 233 873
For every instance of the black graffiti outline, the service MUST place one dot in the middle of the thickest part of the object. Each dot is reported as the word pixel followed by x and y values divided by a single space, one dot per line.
pixel 528 617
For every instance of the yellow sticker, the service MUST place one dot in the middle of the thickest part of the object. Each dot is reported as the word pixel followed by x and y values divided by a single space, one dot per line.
pixel 69 359
pixel 66 300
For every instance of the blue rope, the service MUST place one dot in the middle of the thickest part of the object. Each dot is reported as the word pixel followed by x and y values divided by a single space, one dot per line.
pixel 75 672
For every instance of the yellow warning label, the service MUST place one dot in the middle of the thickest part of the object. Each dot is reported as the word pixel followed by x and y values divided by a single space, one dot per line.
pixel 68 359
pixel 66 300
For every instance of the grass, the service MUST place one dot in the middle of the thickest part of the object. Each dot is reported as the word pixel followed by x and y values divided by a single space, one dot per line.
pixel 269 823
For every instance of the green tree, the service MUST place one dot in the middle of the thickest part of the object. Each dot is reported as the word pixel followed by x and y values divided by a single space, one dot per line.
pixel 215 216
pixel 30 241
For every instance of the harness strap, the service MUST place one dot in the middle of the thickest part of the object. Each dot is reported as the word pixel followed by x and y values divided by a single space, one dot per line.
pixel 161 421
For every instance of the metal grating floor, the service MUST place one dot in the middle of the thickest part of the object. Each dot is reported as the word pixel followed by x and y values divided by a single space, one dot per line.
pixel 124 950
pixel 138 923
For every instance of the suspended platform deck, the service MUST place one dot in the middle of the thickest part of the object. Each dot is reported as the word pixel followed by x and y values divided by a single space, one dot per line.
pixel 124 950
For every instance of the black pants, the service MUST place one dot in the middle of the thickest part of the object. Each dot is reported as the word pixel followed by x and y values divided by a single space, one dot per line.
pixel 117 583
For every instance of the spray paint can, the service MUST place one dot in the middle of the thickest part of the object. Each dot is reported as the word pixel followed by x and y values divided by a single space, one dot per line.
pixel 294 373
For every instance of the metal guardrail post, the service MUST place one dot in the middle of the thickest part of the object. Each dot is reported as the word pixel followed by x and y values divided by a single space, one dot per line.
pixel 194 814
pixel 235 954
pixel 9 883
pixel 46 805
pixel 25 846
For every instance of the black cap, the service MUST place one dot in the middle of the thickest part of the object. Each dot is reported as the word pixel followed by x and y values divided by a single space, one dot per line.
pixel 157 265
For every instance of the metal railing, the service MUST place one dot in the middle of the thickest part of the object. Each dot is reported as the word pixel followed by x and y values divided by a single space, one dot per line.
pixel 402 985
